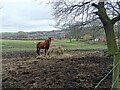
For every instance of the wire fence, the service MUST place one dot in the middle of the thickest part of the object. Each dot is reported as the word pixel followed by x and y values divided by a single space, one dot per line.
pixel 116 80
pixel 108 75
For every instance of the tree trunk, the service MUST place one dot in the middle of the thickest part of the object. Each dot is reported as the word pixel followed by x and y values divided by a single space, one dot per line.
pixel 70 39
pixel 110 38
pixel 119 35
pixel 108 27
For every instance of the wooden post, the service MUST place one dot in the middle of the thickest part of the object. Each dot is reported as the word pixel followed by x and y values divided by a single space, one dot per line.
pixel 116 71
pixel 119 35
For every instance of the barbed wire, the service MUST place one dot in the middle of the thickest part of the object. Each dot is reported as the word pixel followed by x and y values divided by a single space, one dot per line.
pixel 115 80
pixel 107 76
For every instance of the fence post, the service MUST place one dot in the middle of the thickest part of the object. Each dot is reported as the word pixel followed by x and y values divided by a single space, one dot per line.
pixel 116 71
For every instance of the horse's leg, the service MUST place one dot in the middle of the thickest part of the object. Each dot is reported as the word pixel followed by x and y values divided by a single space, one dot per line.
pixel 45 51
pixel 38 49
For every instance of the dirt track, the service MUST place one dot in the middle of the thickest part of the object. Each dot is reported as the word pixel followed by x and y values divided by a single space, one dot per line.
pixel 79 71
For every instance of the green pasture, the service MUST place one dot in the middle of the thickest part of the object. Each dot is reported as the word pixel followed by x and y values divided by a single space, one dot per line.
pixel 30 45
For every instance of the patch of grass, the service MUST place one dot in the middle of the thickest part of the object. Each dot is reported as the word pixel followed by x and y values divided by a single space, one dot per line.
pixel 78 45
pixel 30 45
pixel 17 45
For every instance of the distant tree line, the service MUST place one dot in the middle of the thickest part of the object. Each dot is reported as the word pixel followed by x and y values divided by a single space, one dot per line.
pixel 71 31
pixel 34 35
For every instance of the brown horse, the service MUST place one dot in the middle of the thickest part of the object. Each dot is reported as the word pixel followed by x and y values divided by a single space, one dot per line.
pixel 43 45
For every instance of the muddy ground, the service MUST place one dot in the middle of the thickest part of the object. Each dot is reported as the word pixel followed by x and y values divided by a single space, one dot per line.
pixel 83 69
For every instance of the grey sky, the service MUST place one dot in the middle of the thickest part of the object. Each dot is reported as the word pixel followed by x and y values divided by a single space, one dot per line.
pixel 26 15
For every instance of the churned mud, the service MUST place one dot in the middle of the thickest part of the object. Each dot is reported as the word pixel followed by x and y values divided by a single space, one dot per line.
pixel 82 69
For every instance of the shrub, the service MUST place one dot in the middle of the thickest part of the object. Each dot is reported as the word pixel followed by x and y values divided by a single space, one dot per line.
pixel 87 37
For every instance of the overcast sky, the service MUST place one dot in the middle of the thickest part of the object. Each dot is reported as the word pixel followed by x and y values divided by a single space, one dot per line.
pixel 25 15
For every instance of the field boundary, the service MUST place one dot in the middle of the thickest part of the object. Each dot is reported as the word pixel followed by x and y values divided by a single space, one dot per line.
pixel 116 79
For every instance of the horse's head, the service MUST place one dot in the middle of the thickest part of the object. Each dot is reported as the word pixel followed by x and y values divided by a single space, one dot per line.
pixel 49 38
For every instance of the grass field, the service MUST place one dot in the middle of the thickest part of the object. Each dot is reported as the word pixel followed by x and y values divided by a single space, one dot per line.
pixel 30 45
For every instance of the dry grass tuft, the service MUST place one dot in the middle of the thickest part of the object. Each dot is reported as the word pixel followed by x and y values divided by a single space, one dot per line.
pixel 58 50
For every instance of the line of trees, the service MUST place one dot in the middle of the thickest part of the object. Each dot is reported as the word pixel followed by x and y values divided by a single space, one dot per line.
pixel 77 32
pixel 33 35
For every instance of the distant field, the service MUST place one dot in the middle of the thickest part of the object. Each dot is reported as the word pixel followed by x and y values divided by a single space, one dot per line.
pixel 30 45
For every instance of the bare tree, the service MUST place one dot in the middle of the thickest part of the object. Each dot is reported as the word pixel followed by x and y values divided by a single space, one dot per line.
pixel 86 11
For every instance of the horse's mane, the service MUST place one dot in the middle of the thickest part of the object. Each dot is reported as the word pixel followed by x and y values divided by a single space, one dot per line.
pixel 48 41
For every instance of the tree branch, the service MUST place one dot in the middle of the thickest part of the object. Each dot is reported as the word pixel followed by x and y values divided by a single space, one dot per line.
pixel 118 3
pixel 114 20
pixel 113 7
pixel 95 5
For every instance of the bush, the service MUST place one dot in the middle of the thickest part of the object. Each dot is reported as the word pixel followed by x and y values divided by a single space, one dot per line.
pixel 87 37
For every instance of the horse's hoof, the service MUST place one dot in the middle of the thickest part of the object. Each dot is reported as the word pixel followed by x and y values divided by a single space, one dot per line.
pixel 35 62
pixel 38 57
